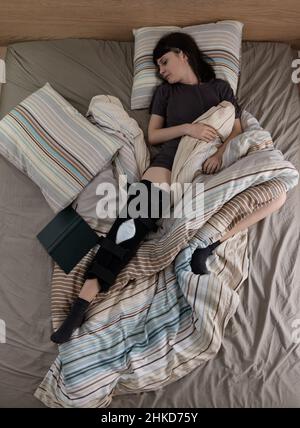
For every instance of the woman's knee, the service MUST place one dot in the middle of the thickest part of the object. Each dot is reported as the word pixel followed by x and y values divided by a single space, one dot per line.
pixel 278 202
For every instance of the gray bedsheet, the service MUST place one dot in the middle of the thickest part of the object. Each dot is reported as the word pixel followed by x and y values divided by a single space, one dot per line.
pixel 258 364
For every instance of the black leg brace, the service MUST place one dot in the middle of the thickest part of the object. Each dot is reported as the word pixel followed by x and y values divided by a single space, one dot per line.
pixel 115 252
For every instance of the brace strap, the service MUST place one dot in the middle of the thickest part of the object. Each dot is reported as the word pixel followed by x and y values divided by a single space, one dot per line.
pixel 113 248
pixel 102 273
pixel 149 223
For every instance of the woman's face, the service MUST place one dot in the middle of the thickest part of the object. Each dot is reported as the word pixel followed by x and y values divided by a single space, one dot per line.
pixel 173 67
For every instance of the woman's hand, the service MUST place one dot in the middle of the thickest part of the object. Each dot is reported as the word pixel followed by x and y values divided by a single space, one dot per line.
pixel 212 164
pixel 202 132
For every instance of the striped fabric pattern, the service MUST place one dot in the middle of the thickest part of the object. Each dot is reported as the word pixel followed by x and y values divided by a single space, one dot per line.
pixel 220 41
pixel 107 112
pixel 58 148
pixel 160 321
pixel 150 333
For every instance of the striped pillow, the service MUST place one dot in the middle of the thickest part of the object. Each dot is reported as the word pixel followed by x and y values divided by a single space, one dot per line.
pixel 58 148
pixel 220 41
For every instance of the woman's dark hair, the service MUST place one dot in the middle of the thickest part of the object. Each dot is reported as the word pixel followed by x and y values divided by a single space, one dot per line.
pixel 176 42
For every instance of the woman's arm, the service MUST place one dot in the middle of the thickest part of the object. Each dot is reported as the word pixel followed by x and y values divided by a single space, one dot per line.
pixel 157 134
pixel 236 130
pixel 214 162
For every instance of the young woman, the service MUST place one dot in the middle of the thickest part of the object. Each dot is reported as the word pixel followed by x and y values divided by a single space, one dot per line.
pixel 190 88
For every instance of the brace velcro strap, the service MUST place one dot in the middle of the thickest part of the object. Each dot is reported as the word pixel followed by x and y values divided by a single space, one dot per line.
pixel 102 273
pixel 113 248
pixel 148 222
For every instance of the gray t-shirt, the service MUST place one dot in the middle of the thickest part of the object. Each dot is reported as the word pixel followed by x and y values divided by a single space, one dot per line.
pixel 181 103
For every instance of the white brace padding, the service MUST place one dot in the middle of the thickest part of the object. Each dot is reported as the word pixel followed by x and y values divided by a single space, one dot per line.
pixel 126 231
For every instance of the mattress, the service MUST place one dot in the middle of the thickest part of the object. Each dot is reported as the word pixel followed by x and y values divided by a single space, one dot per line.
pixel 258 364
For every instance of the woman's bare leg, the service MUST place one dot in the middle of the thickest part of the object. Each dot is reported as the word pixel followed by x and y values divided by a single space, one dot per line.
pixel 198 261
pixel 256 216
pixel 156 174
pixel 90 289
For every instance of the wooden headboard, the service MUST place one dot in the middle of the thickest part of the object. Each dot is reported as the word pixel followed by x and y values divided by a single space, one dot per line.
pixel 20 20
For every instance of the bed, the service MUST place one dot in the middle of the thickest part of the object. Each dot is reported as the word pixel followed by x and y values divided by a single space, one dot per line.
pixel 258 363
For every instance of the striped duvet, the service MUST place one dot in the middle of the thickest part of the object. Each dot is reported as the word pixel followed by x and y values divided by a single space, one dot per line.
pixel 160 321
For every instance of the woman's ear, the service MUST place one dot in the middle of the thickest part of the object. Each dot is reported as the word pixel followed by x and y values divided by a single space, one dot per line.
pixel 183 56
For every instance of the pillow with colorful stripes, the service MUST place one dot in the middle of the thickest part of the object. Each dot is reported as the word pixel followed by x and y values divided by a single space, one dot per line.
pixel 220 41
pixel 55 146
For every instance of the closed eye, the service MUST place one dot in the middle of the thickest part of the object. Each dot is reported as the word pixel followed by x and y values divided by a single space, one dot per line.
pixel 162 63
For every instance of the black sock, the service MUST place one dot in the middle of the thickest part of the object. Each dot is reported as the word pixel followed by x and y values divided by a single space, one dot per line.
pixel 73 321
pixel 198 262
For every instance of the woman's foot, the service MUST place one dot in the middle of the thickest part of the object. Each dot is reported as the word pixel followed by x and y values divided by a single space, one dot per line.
pixel 198 262
pixel 73 321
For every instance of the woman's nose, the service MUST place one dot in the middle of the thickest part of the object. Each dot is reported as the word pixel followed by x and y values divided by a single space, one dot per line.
pixel 161 69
